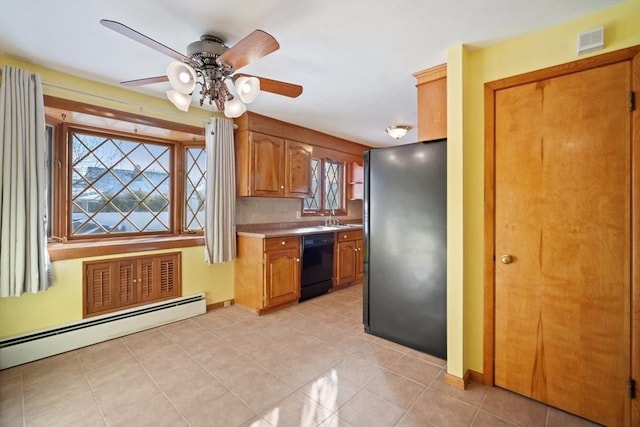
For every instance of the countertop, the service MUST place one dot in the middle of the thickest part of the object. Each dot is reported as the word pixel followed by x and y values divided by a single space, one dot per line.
pixel 295 230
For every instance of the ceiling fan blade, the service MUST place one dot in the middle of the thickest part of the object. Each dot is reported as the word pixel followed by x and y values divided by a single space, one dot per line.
pixel 149 42
pixel 254 46
pixel 277 87
pixel 148 80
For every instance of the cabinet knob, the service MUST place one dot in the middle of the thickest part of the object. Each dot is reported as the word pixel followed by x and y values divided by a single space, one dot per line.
pixel 297 259
pixel 282 243
pixel 506 259
pixel 282 187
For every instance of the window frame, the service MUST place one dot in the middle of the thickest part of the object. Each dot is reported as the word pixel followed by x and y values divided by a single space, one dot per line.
pixel 68 130
pixel 323 210
pixel 64 246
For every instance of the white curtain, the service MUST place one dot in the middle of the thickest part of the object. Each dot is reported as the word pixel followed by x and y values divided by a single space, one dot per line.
pixel 24 260
pixel 220 202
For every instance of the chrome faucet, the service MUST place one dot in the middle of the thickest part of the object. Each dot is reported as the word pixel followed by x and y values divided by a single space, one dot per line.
pixel 331 220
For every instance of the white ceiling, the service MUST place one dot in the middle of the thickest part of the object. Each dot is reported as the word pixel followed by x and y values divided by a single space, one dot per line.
pixel 355 58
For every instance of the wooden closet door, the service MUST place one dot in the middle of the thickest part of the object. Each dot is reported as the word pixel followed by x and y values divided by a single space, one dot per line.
pixel 563 223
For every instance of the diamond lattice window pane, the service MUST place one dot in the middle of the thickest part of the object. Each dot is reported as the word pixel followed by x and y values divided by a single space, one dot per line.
pixel 333 199
pixel 195 187
pixel 312 204
pixel 119 186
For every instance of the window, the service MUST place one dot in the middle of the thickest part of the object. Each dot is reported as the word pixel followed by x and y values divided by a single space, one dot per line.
pixel 119 185
pixel 327 187
pixel 195 180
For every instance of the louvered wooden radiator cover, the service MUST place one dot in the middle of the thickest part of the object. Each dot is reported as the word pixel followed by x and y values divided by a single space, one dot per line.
pixel 115 284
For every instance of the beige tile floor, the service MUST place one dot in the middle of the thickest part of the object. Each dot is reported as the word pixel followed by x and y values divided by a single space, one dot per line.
pixel 309 365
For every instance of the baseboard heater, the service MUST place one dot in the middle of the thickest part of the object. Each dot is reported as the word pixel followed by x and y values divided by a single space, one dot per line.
pixel 37 345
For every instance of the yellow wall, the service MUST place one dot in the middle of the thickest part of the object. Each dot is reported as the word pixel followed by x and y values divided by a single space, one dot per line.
pixel 63 302
pixel 467 71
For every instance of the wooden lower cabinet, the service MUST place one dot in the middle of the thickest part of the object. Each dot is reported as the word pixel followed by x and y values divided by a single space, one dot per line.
pixel 267 273
pixel 349 261
pixel 115 284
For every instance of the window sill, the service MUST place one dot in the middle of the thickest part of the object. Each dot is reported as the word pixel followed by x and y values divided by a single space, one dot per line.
pixel 62 251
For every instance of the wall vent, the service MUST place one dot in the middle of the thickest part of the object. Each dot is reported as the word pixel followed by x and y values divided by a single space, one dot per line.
pixel 591 40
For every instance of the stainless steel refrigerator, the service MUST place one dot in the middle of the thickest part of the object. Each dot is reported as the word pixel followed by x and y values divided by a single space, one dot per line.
pixel 405 254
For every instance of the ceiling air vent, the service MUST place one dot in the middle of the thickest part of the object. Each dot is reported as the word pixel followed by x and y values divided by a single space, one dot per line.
pixel 591 40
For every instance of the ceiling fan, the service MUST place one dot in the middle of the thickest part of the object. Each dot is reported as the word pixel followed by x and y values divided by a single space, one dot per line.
pixel 210 64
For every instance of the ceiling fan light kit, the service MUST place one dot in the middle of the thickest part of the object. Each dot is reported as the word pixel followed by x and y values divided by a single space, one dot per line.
pixel 234 108
pixel 209 64
pixel 397 132
pixel 182 77
pixel 180 100
pixel 247 88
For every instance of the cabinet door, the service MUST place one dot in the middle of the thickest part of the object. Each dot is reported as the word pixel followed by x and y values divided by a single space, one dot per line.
pixel 169 284
pixel 432 103
pixel 157 278
pixel 346 267
pixel 282 277
pixel 100 295
pixel 125 282
pixel 297 169
pixel 359 260
pixel 267 165
pixel 145 286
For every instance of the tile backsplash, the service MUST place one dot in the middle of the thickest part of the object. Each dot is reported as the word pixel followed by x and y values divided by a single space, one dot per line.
pixel 261 210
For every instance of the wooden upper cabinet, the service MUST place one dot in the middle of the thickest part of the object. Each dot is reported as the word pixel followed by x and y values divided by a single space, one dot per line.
pixel 297 169
pixel 355 183
pixel 432 103
pixel 269 166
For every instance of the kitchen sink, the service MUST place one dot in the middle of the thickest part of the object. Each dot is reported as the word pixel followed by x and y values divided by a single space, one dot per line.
pixel 321 228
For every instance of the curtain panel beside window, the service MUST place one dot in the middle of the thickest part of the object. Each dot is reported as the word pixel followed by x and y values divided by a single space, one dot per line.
pixel 220 202
pixel 24 260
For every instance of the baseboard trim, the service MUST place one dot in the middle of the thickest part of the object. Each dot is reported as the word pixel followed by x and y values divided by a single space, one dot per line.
pixel 221 304
pixel 463 383
pixel 457 382
pixel 476 377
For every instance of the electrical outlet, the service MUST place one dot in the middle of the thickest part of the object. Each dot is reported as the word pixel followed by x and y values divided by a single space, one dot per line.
pixel 297 214
pixel 227 303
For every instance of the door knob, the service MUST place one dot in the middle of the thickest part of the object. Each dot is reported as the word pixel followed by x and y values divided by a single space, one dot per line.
pixel 506 259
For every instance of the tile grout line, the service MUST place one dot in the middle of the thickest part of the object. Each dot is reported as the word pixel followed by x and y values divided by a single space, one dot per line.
pixel 93 393
pixel 158 328
pixel 210 373
pixel 197 363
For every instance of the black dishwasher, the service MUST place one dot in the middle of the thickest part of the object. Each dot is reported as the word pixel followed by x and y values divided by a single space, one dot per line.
pixel 317 265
